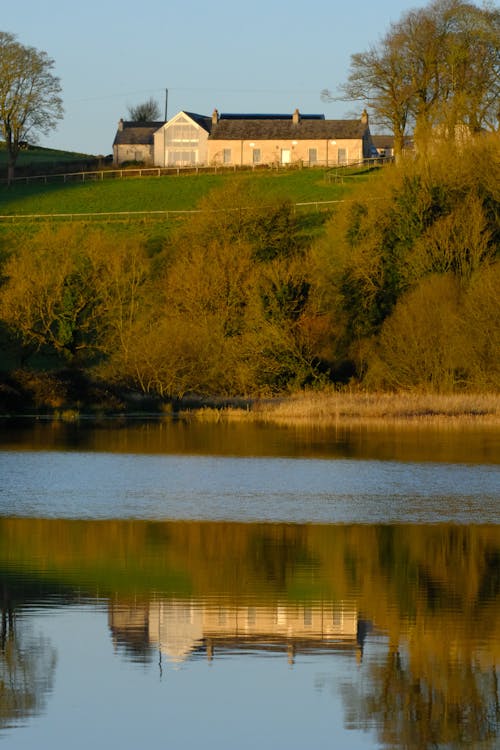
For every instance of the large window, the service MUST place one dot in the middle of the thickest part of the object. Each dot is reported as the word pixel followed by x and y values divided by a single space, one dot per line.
pixel 182 143
pixel 182 134
pixel 181 158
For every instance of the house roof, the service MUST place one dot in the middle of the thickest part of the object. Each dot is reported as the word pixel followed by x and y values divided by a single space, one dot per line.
pixel 236 116
pixel 231 126
pixel 271 128
pixel 140 133
pixel 383 141
pixel 202 120
pixel 387 141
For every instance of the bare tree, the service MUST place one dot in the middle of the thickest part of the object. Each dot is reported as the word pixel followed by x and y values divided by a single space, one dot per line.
pixel 30 101
pixel 148 111
pixel 380 79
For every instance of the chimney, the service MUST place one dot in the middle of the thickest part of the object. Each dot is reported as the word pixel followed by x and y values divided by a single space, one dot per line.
pixel 215 117
pixel 296 117
pixel 364 117
pixel 120 124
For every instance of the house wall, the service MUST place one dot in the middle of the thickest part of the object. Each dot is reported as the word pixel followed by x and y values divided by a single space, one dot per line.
pixel 328 152
pixel 132 152
pixel 179 627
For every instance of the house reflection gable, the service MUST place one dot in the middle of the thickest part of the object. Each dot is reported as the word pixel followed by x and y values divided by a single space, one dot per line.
pixel 185 629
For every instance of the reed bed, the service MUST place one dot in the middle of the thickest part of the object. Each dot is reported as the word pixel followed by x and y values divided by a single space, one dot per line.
pixel 358 407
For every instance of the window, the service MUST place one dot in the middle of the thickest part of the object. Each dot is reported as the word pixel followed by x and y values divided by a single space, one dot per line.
pixel 313 156
pixel 181 158
pixel 226 156
pixel 342 156
pixel 182 134
pixel 256 156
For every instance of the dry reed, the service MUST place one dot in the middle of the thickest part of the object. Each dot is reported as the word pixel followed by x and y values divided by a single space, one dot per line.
pixel 358 407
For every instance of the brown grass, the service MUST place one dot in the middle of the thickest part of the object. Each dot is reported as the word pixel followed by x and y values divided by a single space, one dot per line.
pixel 357 407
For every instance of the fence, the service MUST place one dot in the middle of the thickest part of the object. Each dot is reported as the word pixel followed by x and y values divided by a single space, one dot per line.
pixel 127 216
pixel 138 172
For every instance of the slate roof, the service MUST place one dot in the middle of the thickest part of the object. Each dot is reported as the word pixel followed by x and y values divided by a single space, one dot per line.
pixel 237 116
pixel 277 129
pixel 387 141
pixel 250 127
pixel 202 120
pixel 140 133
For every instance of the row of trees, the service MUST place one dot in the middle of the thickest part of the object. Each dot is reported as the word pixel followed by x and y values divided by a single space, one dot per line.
pixel 413 271
pixel 435 70
pixel 222 307
pixel 400 291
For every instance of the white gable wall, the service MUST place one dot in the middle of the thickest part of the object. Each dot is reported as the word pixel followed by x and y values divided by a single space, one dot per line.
pixel 180 142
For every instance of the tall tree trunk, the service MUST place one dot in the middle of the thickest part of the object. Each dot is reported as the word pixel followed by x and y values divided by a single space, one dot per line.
pixel 10 170
pixel 12 151
pixel 399 142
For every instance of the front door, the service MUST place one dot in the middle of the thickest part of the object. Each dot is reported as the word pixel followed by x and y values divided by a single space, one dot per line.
pixel 286 156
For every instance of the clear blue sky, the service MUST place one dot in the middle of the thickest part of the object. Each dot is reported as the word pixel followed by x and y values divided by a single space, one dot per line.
pixel 264 56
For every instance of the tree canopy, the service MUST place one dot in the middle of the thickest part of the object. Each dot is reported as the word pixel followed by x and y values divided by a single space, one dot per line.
pixel 148 111
pixel 30 101
pixel 437 69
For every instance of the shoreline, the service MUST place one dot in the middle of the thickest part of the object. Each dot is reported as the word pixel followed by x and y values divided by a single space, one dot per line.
pixel 319 409
pixel 362 409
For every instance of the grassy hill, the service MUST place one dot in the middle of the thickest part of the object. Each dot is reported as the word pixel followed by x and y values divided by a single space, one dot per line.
pixel 171 192
pixel 250 296
pixel 33 160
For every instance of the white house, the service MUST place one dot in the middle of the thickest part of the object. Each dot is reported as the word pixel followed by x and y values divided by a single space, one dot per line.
pixel 190 139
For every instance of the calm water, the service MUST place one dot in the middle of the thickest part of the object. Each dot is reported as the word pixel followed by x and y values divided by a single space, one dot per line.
pixel 232 587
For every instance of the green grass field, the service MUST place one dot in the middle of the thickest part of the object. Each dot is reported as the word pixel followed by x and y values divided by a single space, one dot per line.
pixel 174 193
pixel 40 159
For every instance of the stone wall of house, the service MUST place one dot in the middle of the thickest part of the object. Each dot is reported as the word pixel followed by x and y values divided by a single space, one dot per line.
pixel 132 152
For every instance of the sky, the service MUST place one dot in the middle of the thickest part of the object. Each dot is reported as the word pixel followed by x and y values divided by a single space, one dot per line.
pixel 265 56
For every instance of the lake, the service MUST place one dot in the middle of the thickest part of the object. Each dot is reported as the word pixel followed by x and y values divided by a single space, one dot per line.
pixel 181 585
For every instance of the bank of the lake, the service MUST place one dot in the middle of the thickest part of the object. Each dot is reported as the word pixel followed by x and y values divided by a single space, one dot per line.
pixel 328 407
pixel 70 396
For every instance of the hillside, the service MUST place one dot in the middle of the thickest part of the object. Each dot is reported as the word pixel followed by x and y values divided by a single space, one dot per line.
pixel 34 160
pixel 175 193
pixel 396 288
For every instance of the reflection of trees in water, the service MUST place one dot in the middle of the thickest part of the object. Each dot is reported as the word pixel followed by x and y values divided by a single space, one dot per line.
pixel 460 708
pixel 27 666
pixel 437 685
pixel 435 591
pixel 275 556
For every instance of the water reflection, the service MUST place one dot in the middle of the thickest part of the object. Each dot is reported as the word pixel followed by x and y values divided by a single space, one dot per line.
pixel 27 667
pixel 182 630
pixel 426 705
pixel 458 444
pixel 415 608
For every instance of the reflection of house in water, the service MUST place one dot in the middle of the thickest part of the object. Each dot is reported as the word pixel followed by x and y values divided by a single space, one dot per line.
pixel 182 628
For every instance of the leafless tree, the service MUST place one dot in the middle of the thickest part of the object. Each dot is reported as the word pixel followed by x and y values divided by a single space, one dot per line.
pixel 148 111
